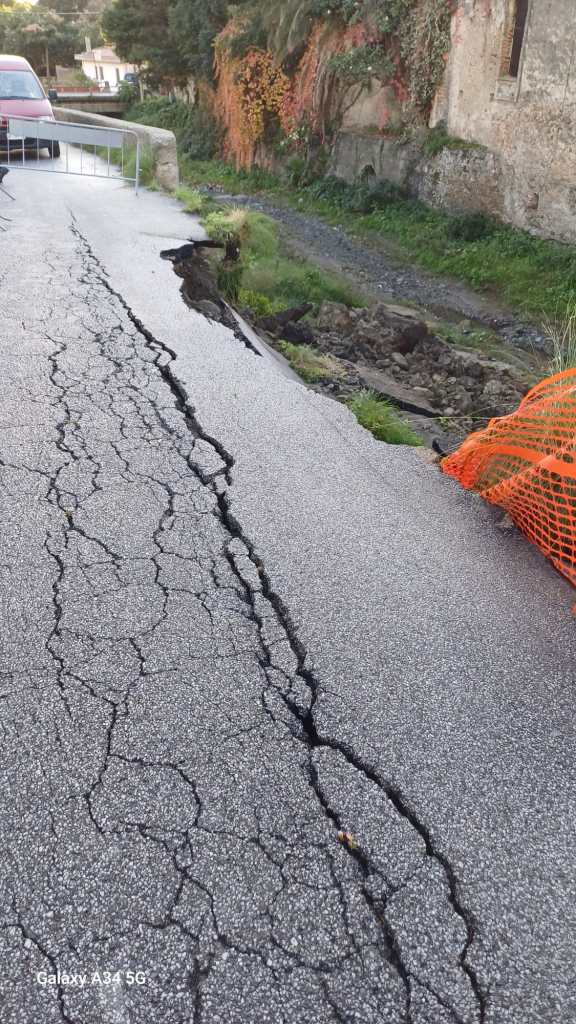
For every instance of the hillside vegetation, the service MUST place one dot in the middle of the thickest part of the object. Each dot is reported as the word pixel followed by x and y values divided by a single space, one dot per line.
pixel 278 78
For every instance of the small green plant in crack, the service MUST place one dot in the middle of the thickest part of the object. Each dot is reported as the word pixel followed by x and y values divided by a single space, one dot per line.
pixel 438 139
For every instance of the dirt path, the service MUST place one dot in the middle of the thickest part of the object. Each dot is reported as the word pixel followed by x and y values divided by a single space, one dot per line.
pixel 379 273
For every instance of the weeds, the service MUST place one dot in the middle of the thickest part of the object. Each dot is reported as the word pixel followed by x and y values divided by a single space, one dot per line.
pixel 562 334
pixel 438 139
pixel 269 272
pixel 192 200
pixel 364 198
pixel 259 305
pixel 220 175
pixel 222 223
pixel 381 419
pixel 230 281
pixel 310 364
pixel 126 160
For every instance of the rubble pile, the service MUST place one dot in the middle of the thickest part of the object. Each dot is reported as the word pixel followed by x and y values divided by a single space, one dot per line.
pixel 442 378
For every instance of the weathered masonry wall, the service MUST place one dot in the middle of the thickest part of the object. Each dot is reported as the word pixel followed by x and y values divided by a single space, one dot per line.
pixel 526 121
pixel 455 180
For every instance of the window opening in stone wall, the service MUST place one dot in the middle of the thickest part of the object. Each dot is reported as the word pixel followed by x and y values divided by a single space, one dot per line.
pixel 520 19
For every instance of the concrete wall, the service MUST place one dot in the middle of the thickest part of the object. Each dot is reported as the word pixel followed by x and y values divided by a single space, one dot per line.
pixel 375 107
pixel 354 156
pixel 106 103
pixel 161 143
pixel 455 180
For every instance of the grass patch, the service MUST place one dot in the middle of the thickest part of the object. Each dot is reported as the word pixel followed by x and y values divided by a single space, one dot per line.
pixel 223 176
pixel 292 283
pixel 309 364
pixel 382 420
pixel 438 139
pixel 147 175
pixel 191 199
pixel 268 271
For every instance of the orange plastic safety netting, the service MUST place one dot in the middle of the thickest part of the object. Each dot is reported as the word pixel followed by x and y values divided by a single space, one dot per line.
pixel 526 463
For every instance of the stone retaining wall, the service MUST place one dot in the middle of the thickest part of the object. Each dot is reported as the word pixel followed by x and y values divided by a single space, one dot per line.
pixel 466 180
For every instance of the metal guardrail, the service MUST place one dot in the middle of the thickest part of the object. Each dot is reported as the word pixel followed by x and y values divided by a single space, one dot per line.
pixel 88 150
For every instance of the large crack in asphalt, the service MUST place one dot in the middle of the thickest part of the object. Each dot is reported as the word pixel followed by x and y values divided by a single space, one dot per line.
pixel 304 726
pixel 192 814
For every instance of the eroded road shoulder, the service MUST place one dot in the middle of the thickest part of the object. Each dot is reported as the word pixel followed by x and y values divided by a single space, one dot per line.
pixel 170 811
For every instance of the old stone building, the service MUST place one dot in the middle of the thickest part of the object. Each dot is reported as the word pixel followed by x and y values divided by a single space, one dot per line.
pixel 510 87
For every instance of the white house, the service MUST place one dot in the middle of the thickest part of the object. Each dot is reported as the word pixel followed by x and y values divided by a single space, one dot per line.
pixel 103 66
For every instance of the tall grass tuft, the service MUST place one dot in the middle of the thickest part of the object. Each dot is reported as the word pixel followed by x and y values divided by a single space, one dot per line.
pixel 562 335
pixel 382 420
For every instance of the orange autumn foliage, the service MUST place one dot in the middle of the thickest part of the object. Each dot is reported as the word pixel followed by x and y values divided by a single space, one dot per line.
pixel 254 90
pixel 250 92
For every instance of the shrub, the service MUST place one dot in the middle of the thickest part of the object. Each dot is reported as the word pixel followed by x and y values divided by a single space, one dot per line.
pixel 363 198
pixel 362 64
pixel 471 227
pixel 258 304
pixel 196 131
pixel 299 172
pixel 127 93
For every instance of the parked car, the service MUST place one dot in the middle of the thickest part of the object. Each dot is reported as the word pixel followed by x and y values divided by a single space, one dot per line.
pixel 22 95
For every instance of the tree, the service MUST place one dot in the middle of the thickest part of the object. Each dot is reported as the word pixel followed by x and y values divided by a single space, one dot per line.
pixel 195 24
pixel 42 36
pixel 141 33
pixel 62 6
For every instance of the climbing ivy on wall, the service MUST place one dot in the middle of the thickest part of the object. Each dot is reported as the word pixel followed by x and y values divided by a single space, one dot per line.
pixel 252 99
pixel 424 40
pixel 362 64
pixel 287 68
pixel 384 15
pixel 415 32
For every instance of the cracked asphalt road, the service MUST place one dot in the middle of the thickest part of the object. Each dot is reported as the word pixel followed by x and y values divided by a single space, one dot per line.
pixel 236 631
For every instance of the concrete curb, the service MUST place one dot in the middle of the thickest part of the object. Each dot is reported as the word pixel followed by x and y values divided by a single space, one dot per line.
pixel 162 143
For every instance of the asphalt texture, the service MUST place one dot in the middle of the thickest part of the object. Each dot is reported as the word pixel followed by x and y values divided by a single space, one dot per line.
pixel 287 724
